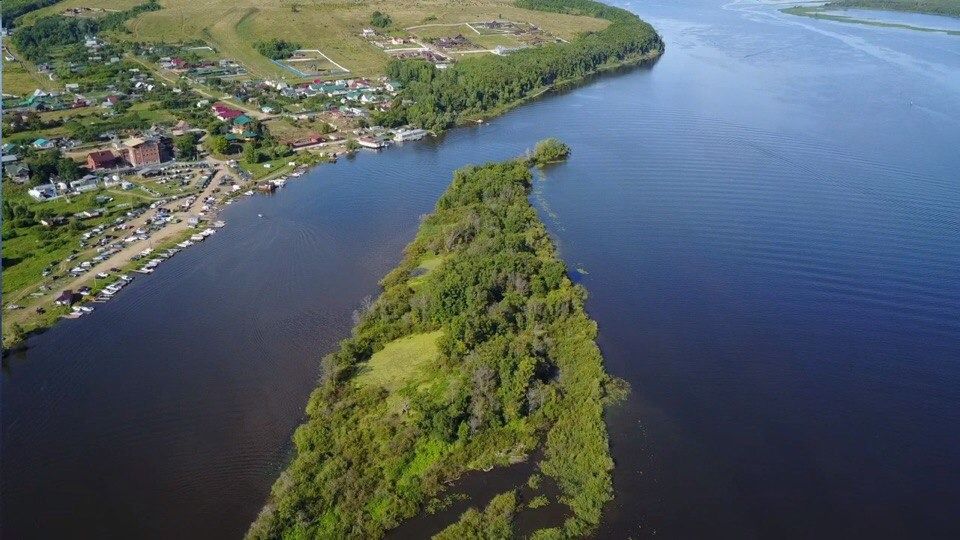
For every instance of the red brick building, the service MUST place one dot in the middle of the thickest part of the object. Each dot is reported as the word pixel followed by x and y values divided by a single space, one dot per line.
pixel 143 152
pixel 101 159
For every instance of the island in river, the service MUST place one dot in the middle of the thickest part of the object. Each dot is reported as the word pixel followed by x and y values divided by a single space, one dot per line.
pixel 838 11
pixel 477 352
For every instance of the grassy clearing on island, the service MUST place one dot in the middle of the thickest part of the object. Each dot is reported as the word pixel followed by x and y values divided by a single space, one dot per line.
pixel 332 27
pixel 427 265
pixel 400 360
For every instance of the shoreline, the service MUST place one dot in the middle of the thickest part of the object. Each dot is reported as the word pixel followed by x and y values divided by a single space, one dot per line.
pixel 44 321
pixel 823 13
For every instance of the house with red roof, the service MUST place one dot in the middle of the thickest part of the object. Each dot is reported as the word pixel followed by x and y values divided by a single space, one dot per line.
pixel 225 113
pixel 101 159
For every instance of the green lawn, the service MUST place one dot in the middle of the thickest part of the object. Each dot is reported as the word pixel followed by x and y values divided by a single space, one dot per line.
pixel 258 170
pixel 400 360
pixel 427 265
pixel 21 77
pixel 158 116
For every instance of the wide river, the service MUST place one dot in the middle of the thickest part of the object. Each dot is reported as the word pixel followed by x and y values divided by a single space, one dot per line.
pixel 767 220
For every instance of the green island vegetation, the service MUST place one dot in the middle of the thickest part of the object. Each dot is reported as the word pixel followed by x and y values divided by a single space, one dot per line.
pixel 947 8
pixel 495 521
pixel 276 49
pixel 477 352
pixel 486 85
pixel 550 151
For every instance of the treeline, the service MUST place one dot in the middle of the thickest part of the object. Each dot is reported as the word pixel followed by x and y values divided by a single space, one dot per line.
pixel 518 367
pixel 12 9
pixel 276 49
pixel 950 8
pixel 39 41
pixel 380 20
pixel 437 99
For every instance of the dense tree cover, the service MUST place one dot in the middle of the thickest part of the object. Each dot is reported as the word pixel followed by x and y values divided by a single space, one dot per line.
pixel 485 83
pixel 39 41
pixel 47 164
pixel 518 367
pixel 16 8
pixel 380 20
pixel 276 49
pixel 549 151
pixel 186 146
pixel 218 144
pixel 88 131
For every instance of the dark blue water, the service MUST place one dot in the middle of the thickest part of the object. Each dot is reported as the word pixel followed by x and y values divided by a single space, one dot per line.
pixel 769 222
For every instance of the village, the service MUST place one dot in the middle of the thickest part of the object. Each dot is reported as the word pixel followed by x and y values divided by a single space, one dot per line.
pixel 123 153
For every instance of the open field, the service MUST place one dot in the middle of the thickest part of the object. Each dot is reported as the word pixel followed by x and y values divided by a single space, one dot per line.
pixel 398 362
pixel 21 77
pixel 312 63
pixel 332 27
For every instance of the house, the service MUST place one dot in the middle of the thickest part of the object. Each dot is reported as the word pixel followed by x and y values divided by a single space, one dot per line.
pixel 371 142
pixel 42 143
pixel 307 141
pixel 101 159
pixel 393 86
pixel 66 298
pixel 401 135
pixel 110 101
pixel 242 120
pixel 181 127
pixel 142 151
pixel 8 158
pixel 17 172
pixel 87 183
pixel 225 113
pixel 53 221
pixel 44 192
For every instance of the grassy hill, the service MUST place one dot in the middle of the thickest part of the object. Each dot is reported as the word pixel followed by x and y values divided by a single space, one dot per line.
pixel 232 26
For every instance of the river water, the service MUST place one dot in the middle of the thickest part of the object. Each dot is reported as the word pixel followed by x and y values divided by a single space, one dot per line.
pixel 767 220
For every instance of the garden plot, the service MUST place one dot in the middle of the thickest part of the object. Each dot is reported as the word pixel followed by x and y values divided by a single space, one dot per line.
pixel 311 63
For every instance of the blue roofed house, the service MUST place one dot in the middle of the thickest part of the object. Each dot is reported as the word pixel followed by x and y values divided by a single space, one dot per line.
pixel 42 143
